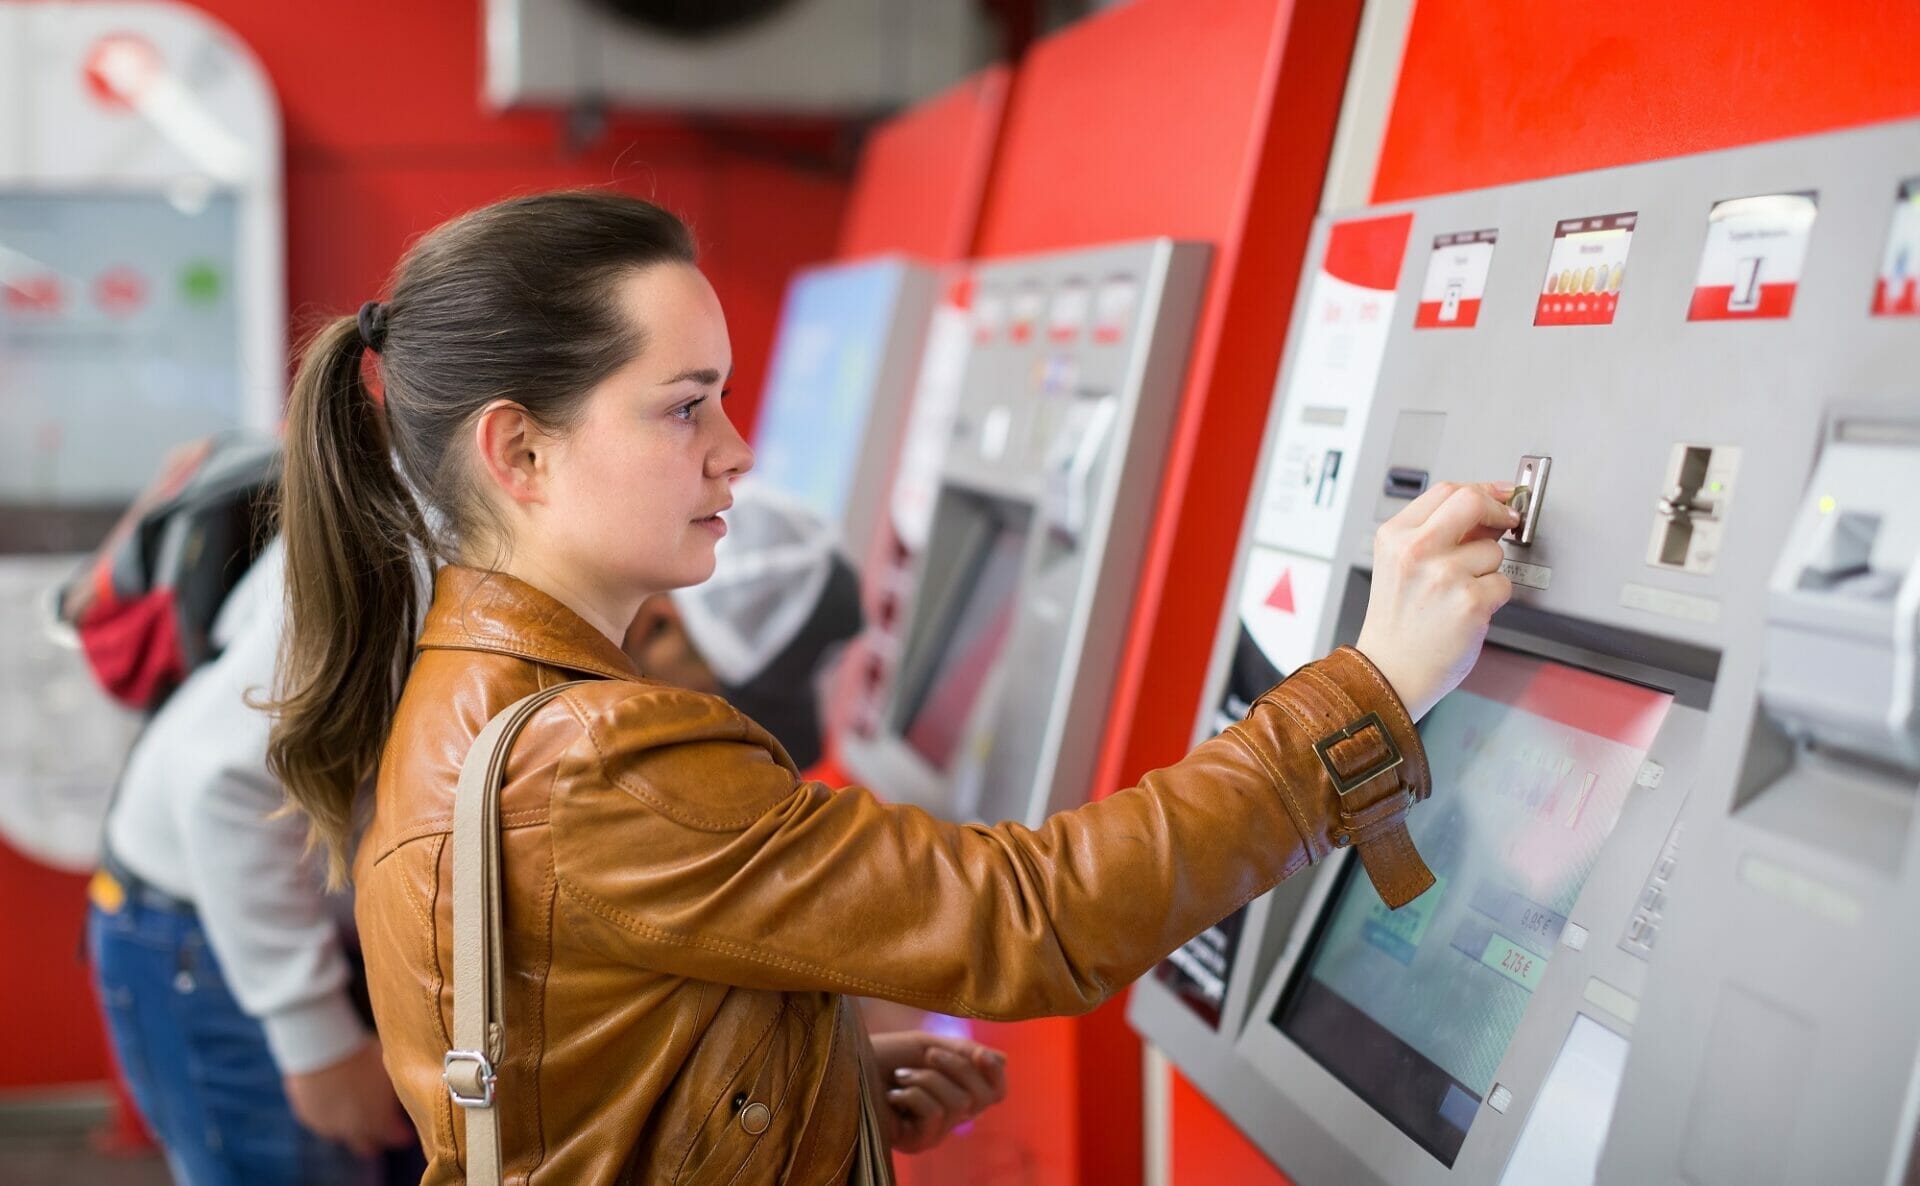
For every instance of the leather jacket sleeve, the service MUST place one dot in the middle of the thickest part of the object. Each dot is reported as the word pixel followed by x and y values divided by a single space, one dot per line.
pixel 685 843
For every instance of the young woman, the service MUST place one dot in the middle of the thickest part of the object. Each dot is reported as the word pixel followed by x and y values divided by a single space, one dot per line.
pixel 683 913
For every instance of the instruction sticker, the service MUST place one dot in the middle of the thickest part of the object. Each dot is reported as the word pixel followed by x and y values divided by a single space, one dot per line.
pixel 989 314
pixel 1756 248
pixel 1456 280
pixel 1897 292
pixel 1027 305
pixel 1585 271
pixel 1113 308
pixel 1068 314
pixel 1329 386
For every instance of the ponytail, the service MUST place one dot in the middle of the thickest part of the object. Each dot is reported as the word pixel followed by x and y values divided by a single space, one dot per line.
pixel 517 300
pixel 352 531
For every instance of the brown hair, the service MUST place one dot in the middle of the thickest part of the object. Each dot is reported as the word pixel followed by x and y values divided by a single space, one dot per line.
pixel 512 301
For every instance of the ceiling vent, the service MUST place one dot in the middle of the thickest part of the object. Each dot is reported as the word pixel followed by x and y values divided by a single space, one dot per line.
pixel 822 57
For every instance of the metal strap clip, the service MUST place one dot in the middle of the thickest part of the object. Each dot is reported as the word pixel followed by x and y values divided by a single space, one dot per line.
pixel 473 1087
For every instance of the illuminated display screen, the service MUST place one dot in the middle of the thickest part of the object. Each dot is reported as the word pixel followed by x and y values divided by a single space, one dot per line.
pixel 968 593
pixel 820 383
pixel 1413 1009
pixel 119 338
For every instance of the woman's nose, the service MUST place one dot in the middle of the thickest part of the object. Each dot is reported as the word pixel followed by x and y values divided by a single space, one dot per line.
pixel 733 456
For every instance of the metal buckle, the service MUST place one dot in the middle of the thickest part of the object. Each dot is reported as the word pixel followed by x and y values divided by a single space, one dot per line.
pixel 464 1059
pixel 1342 784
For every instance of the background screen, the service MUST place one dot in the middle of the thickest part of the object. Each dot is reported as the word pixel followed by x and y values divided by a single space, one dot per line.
pixel 119 338
pixel 820 382
pixel 1532 762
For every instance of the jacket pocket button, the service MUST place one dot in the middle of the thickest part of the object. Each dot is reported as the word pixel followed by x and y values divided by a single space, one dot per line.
pixel 755 1118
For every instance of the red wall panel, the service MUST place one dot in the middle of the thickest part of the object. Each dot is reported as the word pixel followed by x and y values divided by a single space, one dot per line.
pixel 1498 91
pixel 1199 119
pixel 49 1026
pixel 923 174
pixel 1207 1147
pixel 386 136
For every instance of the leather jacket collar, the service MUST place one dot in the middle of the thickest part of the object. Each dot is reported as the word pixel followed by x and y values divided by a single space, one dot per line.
pixel 477 610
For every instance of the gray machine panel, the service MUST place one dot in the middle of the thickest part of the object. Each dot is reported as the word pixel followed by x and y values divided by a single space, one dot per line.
pixel 1742 913
pixel 993 711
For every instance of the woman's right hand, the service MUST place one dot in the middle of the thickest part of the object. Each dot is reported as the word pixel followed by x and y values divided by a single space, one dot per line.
pixel 1436 583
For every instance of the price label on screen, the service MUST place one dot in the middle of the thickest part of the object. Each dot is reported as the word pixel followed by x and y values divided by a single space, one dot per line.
pixel 1514 962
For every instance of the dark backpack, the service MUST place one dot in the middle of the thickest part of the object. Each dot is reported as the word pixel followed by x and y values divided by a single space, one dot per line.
pixel 158 581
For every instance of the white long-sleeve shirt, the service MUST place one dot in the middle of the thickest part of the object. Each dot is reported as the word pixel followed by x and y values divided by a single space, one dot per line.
pixel 196 818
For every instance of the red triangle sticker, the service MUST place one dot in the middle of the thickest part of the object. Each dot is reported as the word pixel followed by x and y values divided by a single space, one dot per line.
pixel 1282 596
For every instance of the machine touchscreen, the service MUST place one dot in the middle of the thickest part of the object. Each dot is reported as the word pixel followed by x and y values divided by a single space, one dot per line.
pixel 1413 1009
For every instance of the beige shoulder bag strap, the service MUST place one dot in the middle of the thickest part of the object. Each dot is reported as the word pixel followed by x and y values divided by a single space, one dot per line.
pixel 479 1031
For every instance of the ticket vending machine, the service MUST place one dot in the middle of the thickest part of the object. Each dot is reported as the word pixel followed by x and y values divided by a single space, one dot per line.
pixel 142 305
pixel 836 399
pixel 1672 814
pixel 1055 445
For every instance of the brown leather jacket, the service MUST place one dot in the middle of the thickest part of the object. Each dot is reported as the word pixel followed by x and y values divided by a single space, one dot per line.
pixel 683 912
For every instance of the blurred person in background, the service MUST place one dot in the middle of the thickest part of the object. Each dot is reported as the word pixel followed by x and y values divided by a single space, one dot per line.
pixel 227 973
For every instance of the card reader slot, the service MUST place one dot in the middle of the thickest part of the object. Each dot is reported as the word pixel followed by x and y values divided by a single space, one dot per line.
pixel 1405 482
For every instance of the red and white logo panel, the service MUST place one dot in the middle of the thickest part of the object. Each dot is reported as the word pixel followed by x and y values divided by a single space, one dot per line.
pixel 1067 316
pixel 1896 293
pixel 1585 270
pixel 1113 308
pixel 1027 307
pixel 1756 249
pixel 989 314
pixel 1456 280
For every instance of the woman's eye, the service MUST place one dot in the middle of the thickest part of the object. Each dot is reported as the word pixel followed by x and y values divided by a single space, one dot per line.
pixel 685 411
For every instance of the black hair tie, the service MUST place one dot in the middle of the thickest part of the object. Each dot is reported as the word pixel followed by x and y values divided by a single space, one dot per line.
pixel 372 320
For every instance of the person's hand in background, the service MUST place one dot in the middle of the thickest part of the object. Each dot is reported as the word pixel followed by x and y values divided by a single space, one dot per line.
pixel 929 1084
pixel 351 1102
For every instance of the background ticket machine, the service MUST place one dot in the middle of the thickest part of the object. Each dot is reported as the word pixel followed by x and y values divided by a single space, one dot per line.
pixel 142 305
pixel 1056 442
pixel 1673 817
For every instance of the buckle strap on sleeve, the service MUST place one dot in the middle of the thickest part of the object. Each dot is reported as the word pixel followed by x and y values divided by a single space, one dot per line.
pixel 1385 760
pixel 1372 780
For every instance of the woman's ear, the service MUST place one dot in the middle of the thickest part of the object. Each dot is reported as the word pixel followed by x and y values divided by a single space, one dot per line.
pixel 513 451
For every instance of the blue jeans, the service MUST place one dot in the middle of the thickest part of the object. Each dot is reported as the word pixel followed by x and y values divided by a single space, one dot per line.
pixel 198 1067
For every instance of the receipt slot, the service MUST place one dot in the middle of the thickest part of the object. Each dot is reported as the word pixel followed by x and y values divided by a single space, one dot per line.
pixel 1672 823
pixel 992 709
